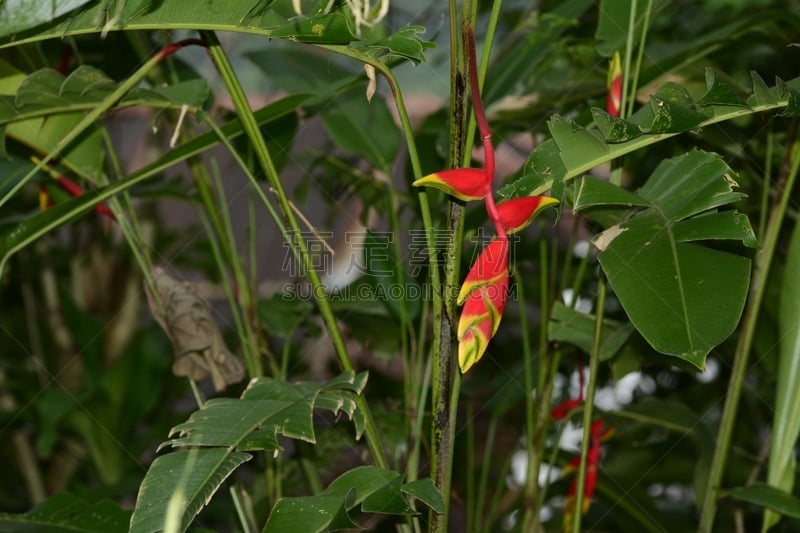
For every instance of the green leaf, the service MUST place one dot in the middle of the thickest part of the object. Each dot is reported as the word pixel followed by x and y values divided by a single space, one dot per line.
pixel 683 298
pixel 20 15
pixel 189 478
pixel 362 127
pixel 719 93
pixel 404 43
pixel 613 25
pixel 425 491
pixel 786 419
pixel 224 429
pixel 372 489
pixel 65 513
pixel 769 497
pixel 568 325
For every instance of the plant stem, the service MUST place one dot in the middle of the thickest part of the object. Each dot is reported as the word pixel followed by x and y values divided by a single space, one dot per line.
pixel 250 126
pixel 588 407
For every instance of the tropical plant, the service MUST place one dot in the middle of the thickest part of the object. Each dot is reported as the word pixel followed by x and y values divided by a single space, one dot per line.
pixel 154 173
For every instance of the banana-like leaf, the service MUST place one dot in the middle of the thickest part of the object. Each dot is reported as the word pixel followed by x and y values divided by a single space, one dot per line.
pixel 574 150
pixel 682 297
pixel 786 421
pixel 368 488
pixel 65 513
pixel 222 432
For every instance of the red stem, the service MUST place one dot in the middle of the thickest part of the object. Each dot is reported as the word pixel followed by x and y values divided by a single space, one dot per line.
pixel 483 125
pixel 174 47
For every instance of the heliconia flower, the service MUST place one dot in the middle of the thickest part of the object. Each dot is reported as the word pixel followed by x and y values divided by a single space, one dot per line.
pixel 479 321
pixel 614 86
pixel 491 266
pixel 463 183
pixel 484 294
pixel 517 213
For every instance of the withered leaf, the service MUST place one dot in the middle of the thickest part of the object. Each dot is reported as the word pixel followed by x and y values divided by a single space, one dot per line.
pixel 184 315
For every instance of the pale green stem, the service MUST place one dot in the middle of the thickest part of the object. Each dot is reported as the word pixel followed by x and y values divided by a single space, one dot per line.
pixel 588 408
pixel 639 57
pixel 250 126
pixel 758 284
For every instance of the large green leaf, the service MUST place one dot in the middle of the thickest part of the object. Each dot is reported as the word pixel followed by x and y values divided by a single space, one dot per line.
pixel 573 150
pixel 786 420
pixel 223 430
pixel 363 127
pixel 65 513
pixel 372 489
pixel 682 297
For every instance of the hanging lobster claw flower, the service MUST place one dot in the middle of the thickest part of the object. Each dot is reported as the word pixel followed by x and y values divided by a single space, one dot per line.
pixel 463 183
pixel 484 294
pixel 614 86
pixel 517 213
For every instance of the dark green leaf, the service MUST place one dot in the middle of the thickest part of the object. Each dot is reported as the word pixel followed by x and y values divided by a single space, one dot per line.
pixel 613 25
pixel 374 489
pixel 404 43
pixel 769 497
pixel 683 298
pixel 363 127
pixel 65 513
pixel 425 491
pixel 573 327
pixel 719 93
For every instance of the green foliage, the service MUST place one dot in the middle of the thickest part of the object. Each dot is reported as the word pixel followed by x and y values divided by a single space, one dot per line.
pixel 671 194
pixel 371 489
pixel 683 298
pixel 221 433
pixel 64 513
